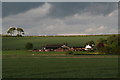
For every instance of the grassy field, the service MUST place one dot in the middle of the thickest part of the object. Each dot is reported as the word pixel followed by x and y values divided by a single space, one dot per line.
pixel 38 42
pixel 23 64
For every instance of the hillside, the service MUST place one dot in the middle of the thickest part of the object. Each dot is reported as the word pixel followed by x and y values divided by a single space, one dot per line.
pixel 13 43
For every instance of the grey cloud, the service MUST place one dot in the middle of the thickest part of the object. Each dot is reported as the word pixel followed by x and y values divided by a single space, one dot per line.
pixel 13 8
pixel 103 8
pixel 63 9
pixel 75 19
pixel 0 10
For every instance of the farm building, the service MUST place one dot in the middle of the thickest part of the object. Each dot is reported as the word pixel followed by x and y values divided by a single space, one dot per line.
pixel 79 48
pixel 64 47
pixel 88 47
pixel 56 47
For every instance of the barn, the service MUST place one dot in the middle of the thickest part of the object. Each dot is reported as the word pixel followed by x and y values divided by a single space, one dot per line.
pixel 53 47
pixel 78 48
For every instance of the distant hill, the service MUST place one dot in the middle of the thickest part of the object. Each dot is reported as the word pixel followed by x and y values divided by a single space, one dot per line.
pixel 13 43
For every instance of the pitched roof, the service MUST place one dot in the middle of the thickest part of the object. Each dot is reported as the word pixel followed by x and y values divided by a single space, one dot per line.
pixel 54 45
pixel 78 47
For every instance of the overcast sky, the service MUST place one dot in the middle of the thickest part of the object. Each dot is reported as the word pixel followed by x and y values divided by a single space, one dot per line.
pixel 0 18
pixel 38 18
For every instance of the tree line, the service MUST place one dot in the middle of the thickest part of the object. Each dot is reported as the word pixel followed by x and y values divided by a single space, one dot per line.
pixel 111 45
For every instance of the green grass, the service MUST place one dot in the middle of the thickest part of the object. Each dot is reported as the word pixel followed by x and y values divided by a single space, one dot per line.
pixel 21 64
pixel 38 42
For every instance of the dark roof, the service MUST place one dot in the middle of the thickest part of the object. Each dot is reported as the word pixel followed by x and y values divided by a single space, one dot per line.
pixel 54 45
pixel 78 47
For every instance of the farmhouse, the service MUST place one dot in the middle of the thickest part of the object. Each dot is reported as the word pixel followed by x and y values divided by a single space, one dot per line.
pixel 79 48
pixel 88 47
pixel 65 47
pixel 56 47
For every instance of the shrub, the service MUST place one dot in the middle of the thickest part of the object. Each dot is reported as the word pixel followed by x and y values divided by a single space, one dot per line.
pixel 70 52
pixel 105 50
pixel 29 46
pixel 18 35
pixel 109 46
pixel 6 36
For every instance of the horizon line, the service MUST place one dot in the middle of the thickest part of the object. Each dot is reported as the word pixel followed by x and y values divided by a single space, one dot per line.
pixel 70 34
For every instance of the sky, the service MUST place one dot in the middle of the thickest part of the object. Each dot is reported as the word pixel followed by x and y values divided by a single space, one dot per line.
pixel 0 18
pixel 51 18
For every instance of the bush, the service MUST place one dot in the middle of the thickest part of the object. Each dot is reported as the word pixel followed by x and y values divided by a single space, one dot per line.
pixel 6 36
pixel 105 50
pixel 109 46
pixel 18 35
pixel 70 52
pixel 29 46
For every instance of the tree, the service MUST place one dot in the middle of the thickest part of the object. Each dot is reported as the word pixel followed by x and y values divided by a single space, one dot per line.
pixel 70 52
pixel 109 46
pixel 20 32
pixel 11 30
pixel 29 46
pixel 91 43
pixel 113 43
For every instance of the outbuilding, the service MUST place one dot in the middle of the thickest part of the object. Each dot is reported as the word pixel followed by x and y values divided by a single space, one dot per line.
pixel 88 47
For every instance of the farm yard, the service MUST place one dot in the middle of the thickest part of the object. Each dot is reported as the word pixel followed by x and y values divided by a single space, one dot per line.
pixel 21 63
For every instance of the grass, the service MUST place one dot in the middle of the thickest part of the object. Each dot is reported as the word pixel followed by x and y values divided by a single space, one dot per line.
pixel 26 64
pixel 38 42
pixel 22 64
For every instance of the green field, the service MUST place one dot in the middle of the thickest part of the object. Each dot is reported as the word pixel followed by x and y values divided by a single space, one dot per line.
pixel 19 42
pixel 22 64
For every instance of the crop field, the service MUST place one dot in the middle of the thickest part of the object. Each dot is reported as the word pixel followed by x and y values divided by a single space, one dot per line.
pixel 23 64
pixel 14 43
pixel 20 63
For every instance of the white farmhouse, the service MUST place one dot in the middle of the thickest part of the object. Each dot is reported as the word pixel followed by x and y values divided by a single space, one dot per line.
pixel 88 47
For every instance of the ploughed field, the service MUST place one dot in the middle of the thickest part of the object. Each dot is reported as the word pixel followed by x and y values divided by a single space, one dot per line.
pixel 13 43
pixel 26 64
